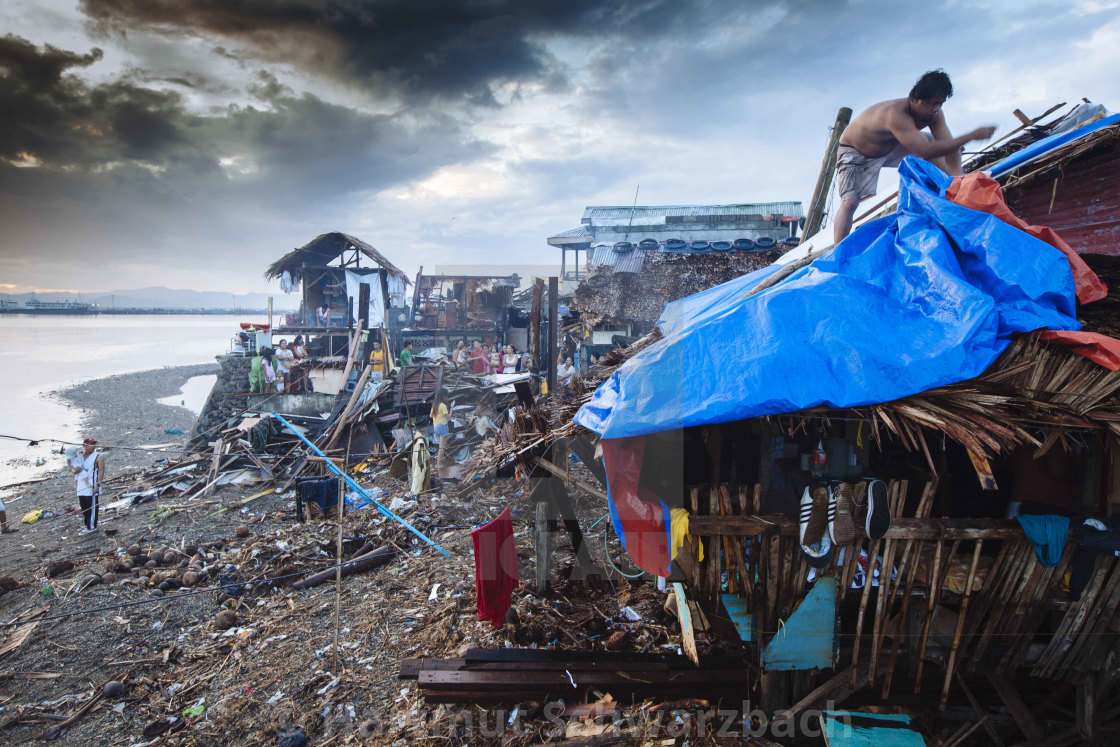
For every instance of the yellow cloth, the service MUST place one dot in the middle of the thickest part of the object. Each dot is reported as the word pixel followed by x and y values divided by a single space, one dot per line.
pixel 32 516
pixel 678 529
pixel 377 358
pixel 441 415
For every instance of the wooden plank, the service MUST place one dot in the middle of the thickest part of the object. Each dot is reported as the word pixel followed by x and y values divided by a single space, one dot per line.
pixel 1016 707
pixel 901 527
pixel 542 545
pixel 808 638
pixel 1074 618
pixel 1083 656
pixel 980 713
pixel 858 729
pixel 688 632
pixel 1086 704
pixel 833 691
pixel 1022 555
pixel 560 681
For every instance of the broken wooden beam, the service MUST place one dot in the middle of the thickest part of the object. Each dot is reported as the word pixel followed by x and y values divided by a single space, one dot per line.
pixel 359 564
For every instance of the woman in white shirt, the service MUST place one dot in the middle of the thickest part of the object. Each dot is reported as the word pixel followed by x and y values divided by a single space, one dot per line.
pixel 510 360
pixel 284 360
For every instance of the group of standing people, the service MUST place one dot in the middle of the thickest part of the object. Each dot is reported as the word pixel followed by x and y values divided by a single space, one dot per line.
pixel 271 369
pixel 489 359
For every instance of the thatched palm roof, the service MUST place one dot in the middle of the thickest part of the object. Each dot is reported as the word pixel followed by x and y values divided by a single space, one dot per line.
pixel 326 247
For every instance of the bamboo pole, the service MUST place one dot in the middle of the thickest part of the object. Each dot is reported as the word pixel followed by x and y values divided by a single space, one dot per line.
pixel 952 663
pixel 872 553
pixel 338 576
pixel 934 595
pixel 824 180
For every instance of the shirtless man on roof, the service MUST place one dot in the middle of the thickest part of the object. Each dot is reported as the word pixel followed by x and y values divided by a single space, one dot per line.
pixel 886 132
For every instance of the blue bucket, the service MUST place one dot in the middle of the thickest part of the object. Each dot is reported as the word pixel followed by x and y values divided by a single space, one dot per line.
pixel 743 245
pixel 721 246
pixel 764 242
pixel 622 247
pixel 700 246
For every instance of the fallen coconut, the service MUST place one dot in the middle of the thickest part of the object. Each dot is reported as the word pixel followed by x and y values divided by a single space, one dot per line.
pixel 113 690
pixel 225 619
pixel 241 531
pixel 108 578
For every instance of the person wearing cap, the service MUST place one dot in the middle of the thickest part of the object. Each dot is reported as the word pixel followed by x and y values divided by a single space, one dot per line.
pixel 89 469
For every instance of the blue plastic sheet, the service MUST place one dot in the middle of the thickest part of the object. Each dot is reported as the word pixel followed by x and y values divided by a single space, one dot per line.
pixel 1019 157
pixel 925 297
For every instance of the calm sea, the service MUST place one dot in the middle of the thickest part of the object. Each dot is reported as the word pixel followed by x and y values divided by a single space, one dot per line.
pixel 42 354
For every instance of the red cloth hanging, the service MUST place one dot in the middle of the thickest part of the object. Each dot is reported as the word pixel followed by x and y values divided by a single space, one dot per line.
pixel 495 567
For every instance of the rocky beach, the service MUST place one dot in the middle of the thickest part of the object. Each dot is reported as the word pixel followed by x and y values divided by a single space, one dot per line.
pixel 181 622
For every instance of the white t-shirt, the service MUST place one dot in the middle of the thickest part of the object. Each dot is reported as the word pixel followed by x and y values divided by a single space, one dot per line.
pixel 86 480
pixel 284 358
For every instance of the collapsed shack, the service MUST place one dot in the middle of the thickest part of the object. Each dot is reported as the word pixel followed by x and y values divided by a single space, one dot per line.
pixel 359 420
pixel 449 308
pixel 328 270
pixel 952 599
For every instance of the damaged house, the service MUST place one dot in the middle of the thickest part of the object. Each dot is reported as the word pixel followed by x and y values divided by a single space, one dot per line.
pixel 640 258
pixel 328 273
pixel 883 475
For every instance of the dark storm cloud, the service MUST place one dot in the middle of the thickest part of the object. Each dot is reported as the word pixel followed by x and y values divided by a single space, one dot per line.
pixel 447 48
pixel 126 166
pixel 62 123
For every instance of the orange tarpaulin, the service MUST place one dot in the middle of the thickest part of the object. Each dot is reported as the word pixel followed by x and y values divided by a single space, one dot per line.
pixel 1096 347
pixel 981 192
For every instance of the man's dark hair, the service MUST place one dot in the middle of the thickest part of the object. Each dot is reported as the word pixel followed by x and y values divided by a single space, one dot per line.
pixel 933 85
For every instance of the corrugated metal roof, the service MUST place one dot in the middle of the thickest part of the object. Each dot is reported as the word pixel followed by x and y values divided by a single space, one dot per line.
pixel 645 214
pixel 571 236
pixel 604 254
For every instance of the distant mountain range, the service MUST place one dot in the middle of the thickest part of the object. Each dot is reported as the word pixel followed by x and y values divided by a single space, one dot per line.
pixel 169 298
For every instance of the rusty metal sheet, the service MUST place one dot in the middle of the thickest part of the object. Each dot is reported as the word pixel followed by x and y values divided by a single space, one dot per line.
pixel 1081 201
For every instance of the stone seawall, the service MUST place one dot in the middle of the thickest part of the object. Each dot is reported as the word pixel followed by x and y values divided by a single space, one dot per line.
pixel 227 398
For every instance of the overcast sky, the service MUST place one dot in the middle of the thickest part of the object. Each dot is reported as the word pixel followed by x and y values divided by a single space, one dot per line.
pixel 188 143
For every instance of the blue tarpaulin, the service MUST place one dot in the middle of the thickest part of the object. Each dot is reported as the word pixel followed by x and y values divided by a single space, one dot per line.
pixel 921 298
pixel 1047 144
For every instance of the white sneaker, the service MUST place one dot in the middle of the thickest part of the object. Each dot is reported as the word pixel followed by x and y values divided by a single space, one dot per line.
pixel 86 531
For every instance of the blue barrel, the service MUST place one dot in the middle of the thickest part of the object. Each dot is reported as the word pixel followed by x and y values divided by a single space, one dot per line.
pixel 650 245
pixel 676 245
pixel 743 245
pixel 721 246
pixel 700 246
pixel 764 242
pixel 622 247
pixel 790 241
